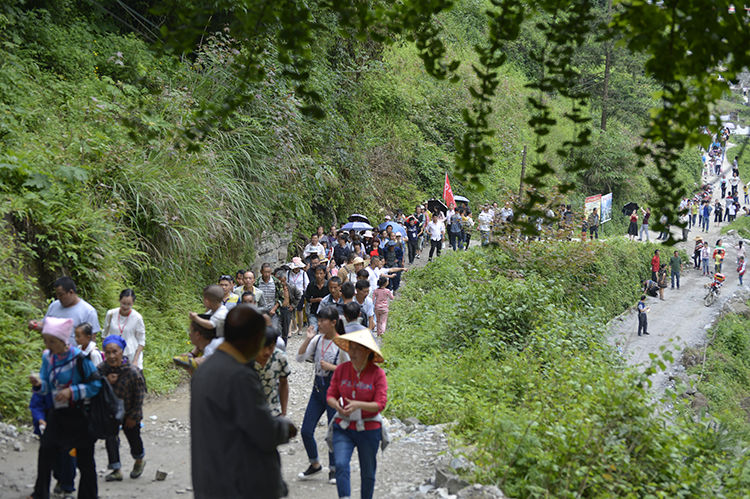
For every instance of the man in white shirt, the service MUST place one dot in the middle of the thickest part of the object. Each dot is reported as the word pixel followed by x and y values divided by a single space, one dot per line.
pixel 435 231
pixel 69 305
pixel 314 248
pixel 485 225
pixel 506 213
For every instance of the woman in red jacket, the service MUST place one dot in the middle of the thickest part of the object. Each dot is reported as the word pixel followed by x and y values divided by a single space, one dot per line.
pixel 358 392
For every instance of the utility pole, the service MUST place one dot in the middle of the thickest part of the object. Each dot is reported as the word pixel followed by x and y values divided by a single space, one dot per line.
pixel 607 63
pixel 523 174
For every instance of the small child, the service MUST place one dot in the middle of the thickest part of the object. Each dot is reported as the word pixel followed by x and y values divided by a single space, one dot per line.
pixel 85 339
pixel 64 467
pixel 382 297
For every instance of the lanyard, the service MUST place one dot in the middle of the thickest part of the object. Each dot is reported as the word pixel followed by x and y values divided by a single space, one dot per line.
pixel 324 350
pixel 122 327
pixel 57 369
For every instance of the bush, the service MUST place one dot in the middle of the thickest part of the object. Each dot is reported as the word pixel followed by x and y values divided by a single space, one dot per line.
pixel 509 342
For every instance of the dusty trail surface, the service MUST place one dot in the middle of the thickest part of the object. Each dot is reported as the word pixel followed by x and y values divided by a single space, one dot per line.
pixel 407 463
pixel 681 320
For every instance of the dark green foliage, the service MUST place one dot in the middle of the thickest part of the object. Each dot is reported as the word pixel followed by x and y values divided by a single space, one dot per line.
pixel 725 378
pixel 516 355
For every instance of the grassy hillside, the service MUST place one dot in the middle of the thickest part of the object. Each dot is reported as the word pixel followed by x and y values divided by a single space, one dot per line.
pixel 98 181
pixel 510 343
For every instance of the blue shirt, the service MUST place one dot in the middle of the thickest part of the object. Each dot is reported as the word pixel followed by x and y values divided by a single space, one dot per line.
pixel 60 372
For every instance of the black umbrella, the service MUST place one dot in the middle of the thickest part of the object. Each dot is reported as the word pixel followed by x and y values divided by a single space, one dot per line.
pixel 435 206
pixel 356 217
pixel 629 208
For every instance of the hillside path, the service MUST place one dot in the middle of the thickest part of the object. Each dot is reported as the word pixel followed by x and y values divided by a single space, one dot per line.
pixel 681 320
pixel 405 465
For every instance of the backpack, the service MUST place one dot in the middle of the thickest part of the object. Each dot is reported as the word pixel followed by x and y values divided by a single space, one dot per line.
pixel 105 411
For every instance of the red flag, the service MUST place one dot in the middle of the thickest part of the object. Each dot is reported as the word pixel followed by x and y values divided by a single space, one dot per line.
pixel 448 192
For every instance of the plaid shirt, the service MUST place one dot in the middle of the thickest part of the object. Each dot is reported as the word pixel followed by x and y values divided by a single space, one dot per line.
pixel 130 387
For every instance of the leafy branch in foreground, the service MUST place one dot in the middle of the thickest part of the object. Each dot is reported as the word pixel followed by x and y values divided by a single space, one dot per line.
pixel 672 34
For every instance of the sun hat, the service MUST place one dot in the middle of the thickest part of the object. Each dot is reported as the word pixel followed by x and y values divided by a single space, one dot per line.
pixel 297 263
pixel 387 217
pixel 368 233
pixel 363 337
pixel 698 238
pixel 358 260
pixel 58 328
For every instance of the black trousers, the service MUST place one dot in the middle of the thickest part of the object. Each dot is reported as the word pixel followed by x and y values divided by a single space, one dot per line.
pixel 642 323
pixel 412 246
pixel 66 429
pixel 133 435
pixel 435 244
pixel 285 320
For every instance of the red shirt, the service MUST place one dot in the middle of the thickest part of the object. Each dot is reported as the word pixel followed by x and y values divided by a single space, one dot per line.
pixel 369 386
pixel 655 263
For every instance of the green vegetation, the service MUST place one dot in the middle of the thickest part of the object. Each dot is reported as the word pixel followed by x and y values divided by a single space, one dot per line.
pixel 510 343
pixel 725 377
pixel 741 225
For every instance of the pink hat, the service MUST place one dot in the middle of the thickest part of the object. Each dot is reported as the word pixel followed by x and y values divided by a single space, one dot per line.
pixel 58 328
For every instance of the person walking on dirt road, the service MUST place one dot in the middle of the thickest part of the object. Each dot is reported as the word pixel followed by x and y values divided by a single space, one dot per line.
pixel 675 265
pixel 655 265
pixel 233 434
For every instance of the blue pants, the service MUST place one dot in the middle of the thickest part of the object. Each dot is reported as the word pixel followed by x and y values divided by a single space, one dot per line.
pixel 315 409
pixel 366 442
pixel 676 276
pixel 454 238
pixel 706 223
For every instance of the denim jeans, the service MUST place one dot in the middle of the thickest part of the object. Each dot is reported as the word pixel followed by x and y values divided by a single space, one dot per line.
pixel 644 229
pixel 312 319
pixel 367 443
pixel 705 266
pixel 706 223
pixel 134 440
pixel 315 409
pixel 454 238
pixel 676 276
pixel 485 237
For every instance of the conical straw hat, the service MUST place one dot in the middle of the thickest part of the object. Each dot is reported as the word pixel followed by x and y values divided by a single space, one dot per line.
pixel 364 338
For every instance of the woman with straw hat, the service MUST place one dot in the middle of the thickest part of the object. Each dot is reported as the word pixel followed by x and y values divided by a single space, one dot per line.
pixel 358 392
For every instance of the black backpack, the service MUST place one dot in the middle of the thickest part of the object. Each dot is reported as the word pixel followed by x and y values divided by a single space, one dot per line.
pixel 105 411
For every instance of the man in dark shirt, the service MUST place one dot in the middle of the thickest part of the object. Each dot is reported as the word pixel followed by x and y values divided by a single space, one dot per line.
pixel 341 251
pixel 233 434
pixel 315 292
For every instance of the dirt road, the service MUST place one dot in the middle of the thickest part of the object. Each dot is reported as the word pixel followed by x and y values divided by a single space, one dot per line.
pixel 407 463
pixel 681 320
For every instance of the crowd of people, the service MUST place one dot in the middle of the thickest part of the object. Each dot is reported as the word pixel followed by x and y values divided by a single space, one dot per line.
pixel 696 214
pixel 73 371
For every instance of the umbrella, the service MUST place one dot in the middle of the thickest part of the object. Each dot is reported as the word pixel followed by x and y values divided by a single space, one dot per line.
pixel 358 226
pixel 356 217
pixel 396 227
pixel 436 206
pixel 629 208
pixel 461 199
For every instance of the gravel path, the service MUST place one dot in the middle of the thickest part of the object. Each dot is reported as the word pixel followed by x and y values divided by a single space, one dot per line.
pixel 681 320
pixel 407 463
